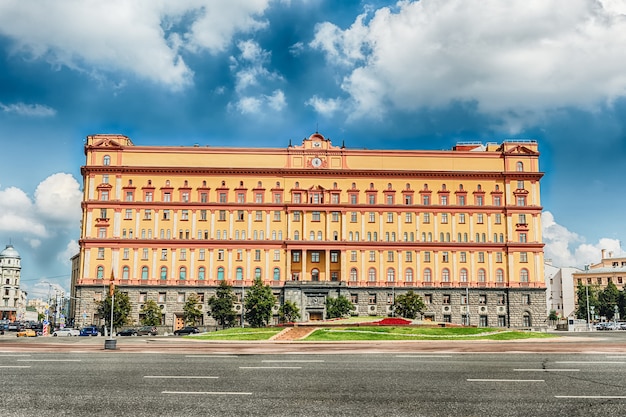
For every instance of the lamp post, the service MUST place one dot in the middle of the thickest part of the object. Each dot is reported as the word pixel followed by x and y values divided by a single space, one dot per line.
pixel 588 315
pixel 242 303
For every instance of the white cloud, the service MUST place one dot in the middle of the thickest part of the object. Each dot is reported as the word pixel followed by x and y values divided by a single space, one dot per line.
pixel 515 57
pixel 277 100
pixel 568 249
pixel 141 37
pixel 71 249
pixel 58 198
pixel 326 107
pixel 18 214
pixel 33 110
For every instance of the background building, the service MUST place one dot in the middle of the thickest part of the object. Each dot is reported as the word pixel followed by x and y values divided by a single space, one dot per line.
pixel 561 291
pixel 13 299
pixel 460 227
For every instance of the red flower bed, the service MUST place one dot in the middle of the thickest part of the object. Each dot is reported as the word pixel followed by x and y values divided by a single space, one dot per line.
pixel 393 321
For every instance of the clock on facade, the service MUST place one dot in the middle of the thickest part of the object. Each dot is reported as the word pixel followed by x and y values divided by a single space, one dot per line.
pixel 316 162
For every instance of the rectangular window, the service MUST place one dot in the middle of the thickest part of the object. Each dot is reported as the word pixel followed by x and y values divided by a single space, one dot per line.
pixel 427 256
pixel 142 297
pixel 334 257
pixel 126 253
pixel 482 299
pixel 297 198
pixel 371 299
pixel 499 257
pixel 445 299
pixel 257 254
pixel 353 256
pixel 335 216
pixel 428 298
pixel 239 255
pixel 185 197
pixel 408 256
pixel 497 201
pixel 240 215
pixel 204 197
pixel 241 198
pixel 166 214
pixel 408 199
pixel 162 297
pixel 461 218
pixel 479 218
pixel 164 254
pixel 353 199
pixel 444 200
pixel 277 198
pixel 372 256
pixel 521 201
pixel 461 200
pixel 390 256
pixel 426 200
pixel 408 217
pixel 223 197
pixel 372 217
pixel 371 199
pixel 498 218
pixel 220 255
pixel 221 216
pixel 444 218
pixel 147 215
pixel 258 216
pixel 277 255
pixel 426 218
pixel 523 257
pixel 390 199
pixel 144 254
pixel 445 257
pixel 354 298
pixel 481 257
pixel 184 215
pixel 183 254
pixel 463 257
pixel 180 297
pixel 148 196
pixel 296 216
pixel 522 237
pixel 203 215
pixel 167 197
pixel 521 219
pixel 276 216
pixel 295 256
pixel 334 198
pixel 479 200
pixel 389 217
pixel 315 257
pixel 201 254
pixel 129 196
pixel 353 217
pixel 100 253
pixel 315 216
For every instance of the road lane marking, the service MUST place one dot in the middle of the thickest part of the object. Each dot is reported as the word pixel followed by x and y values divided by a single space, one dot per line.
pixel 294 361
pixel 15 356
pixel 15 366
pixel 270 367
pixel 594 362
pixel 211 356
pixel 180 377
pixel 592 397
pixel 205 393
pixel 49 360
pixel 547 370
pixel 424 356
pixel 505 380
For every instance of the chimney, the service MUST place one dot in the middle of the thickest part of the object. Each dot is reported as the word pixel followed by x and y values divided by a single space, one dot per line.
pixel 603 253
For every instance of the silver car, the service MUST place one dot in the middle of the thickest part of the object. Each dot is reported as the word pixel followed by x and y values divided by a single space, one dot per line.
pixel 66 332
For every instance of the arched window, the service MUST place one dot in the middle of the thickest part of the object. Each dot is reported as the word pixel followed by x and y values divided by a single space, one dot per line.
pixel 319 235
pixel 257 273
pixel 315 274
pixel 523 275
pixel 527 320
pixel 427 275
pixel 353 274
pixel 106 160
pixel 371 275
pixel 356 236
pixel 499 275
pixel 375 236
pixel 519 166
pixel 312 235
pixel 125 271
pixel 408 275
pixel 182 273
pixel 144 272
pixel 100 272
pixel 220 273
pixel 276 274
pixel 445 275
pixel 201 273
pixel 163 272
pixel 391 274
pixel 463 275
pixel 239 273
pixel 296 235
pixel 481 275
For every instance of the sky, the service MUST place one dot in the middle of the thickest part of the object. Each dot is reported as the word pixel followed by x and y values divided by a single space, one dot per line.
pixel 370 74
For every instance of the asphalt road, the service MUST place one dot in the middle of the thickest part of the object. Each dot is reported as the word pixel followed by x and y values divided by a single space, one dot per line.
pixel 458 384
pixel 171 377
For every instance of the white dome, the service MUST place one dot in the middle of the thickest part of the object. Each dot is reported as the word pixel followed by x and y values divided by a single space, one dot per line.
pixel 9 252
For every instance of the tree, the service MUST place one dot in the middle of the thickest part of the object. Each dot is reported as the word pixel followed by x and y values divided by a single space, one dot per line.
pixel 289 312
pixel 259 301
pixel 121 309
pixel 222 305
pixel 581 296
pixel 553 315
pixel 191 312
pixel 338 307
pixel 151 313
pixel 409 305
pixel 608 298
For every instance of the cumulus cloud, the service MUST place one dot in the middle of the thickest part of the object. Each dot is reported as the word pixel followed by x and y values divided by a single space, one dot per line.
pixel 326 107
pixel 29 110
pixel 143 37
pixel 71 249
pixel 568 249
pixel 58 199
pixel 515 57
pixel 253 79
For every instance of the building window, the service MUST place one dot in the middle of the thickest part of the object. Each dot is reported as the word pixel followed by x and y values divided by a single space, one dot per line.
pixel 276 216
pixel 427 256
pixel 100 272
pixel 239 273
pixel 481 275
pixel 182 273
pixel 276 274
pixel 427 275
pixel 372 256
pixel 523 257
pixel 277 255
pixel 372 217
pixel 445 299
pixel 523 276
pixel 144 272
pixel 481 257
pixel 371 274
pixel 353 217
pixel 334 257
pixel 315 216
pixel 315 257
pixel 220 273
pixel 498 218
pixel 353 275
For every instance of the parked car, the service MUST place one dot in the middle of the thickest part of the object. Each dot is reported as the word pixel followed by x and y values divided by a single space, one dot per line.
pixel 128 332
pixel 147 330
pixel 186 331
pixel 26 333
pixel 66 332
pixel 89 331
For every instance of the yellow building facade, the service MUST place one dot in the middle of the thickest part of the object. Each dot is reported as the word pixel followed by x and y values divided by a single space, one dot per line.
pixel 461 227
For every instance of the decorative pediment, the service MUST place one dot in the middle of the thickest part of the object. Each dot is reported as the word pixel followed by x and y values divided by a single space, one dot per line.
pixel 520 150
pixel 107 143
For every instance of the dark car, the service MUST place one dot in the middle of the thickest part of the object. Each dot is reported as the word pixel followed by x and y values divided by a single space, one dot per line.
pixel 186 330
pixel 147 330
pixel 128 332
pixel 89 331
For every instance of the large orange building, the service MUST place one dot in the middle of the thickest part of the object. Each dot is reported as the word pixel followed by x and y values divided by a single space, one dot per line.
pixel 460 227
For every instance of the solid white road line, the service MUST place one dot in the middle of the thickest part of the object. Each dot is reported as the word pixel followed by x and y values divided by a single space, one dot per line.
pixel 546 370
pixel 505 380
pixel 423 356
pixel 270 367
pixel 180 377
pixel 15 366
pixel 293 361
pixel 211 356
pixel 592 397
pixel 49 360
pixel 594 362
pixel 206 393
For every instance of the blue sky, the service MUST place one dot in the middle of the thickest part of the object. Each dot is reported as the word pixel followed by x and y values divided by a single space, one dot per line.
pixel 377 74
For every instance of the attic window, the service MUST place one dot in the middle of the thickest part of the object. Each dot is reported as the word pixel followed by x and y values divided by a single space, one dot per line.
pixel 106 160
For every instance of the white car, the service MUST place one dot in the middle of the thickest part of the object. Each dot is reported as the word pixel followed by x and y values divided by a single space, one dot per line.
pixel 66 332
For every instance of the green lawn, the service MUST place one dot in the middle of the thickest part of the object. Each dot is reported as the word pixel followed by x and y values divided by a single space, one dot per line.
pixel 418 333
pixel 238 333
